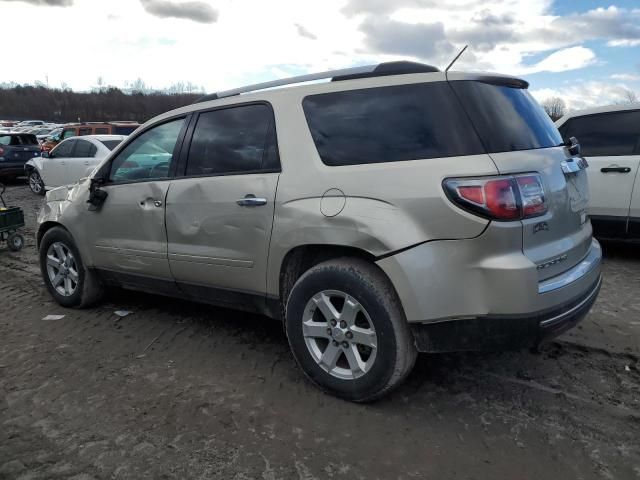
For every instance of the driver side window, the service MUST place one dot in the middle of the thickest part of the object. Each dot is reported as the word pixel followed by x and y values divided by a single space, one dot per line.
pixel 149 156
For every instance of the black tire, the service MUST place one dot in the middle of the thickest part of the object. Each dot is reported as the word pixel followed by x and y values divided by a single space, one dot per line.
pixel 367 284
pixel 88 289
pixel 15 242
pixel 36 185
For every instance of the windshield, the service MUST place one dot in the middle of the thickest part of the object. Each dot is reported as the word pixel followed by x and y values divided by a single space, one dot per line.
pixel 507 118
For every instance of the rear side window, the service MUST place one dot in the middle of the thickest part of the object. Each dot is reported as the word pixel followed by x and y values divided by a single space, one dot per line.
pixel 83 149
pixel 506 118
pixel 84 131
pixel 605 134
pixel 68 134
pixel 233 140
pixel 102 131
pixel 389 124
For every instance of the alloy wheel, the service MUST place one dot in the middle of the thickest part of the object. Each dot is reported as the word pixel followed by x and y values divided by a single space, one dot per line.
pixel 62 269
pixel 35 182
pixel 339 334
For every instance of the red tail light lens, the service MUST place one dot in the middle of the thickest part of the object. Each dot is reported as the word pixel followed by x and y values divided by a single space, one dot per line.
pixel 1 151
pixel 499 198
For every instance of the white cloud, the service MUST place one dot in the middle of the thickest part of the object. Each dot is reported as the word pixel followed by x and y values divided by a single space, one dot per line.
pixel 248 40
pixel 562 60
pixel 586 94
pixel 629 77
pixel 623 43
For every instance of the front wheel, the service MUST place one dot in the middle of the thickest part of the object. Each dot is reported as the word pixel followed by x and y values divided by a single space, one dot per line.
pixel 69 282
pixel 35 183
pixel 347 330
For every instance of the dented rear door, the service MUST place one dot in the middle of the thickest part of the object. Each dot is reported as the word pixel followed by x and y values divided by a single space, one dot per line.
pixel 220 213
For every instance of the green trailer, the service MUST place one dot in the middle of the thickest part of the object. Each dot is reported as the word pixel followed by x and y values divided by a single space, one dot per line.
pixel 11 219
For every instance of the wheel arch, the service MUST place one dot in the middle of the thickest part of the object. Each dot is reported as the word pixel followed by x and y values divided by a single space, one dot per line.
pixel 303 257
pixel 45 227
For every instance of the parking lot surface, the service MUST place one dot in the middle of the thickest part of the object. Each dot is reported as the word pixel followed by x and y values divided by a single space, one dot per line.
pixel 181 390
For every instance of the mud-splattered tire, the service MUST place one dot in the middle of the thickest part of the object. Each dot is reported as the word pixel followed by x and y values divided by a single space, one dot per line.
pixel 67 279
pixel 347 330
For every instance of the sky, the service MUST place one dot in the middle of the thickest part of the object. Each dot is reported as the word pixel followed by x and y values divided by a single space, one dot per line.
pixel 586 52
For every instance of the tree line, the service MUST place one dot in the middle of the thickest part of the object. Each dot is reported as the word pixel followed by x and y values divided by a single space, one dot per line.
pixel 22 102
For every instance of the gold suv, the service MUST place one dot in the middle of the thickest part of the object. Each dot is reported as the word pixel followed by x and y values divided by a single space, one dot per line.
pixel 391 210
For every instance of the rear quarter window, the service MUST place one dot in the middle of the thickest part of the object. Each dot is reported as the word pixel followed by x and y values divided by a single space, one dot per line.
pixel 506 118
pixel 605 134
pixel 111 144
pixel 389 124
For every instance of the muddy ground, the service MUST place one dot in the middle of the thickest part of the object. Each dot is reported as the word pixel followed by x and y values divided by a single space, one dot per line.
pixel 180 390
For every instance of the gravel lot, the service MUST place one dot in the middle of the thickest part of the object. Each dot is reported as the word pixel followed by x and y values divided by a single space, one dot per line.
pixel 181 390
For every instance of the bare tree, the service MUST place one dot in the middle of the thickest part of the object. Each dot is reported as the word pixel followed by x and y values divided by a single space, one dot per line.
pixel 629 96
pixel 555 107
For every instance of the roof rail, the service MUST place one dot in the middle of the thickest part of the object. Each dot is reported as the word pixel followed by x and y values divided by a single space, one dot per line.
pixel 380 70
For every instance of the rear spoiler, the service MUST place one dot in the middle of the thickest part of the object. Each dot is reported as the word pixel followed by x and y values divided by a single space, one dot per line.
pixel 490 78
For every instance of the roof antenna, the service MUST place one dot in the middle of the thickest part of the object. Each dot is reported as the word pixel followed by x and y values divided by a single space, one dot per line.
pixel 455 59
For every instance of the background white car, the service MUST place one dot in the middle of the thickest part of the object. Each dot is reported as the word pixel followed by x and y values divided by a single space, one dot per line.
pixel 610 141
pixel 70 161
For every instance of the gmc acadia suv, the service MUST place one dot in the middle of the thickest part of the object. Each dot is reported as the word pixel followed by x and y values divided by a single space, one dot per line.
pixel 391 210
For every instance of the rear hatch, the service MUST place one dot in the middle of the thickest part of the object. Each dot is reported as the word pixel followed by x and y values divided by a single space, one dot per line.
pixel 19 148
pixel 521 138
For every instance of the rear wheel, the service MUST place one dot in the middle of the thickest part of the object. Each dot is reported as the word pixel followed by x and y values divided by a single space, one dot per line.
pixel 69 282
pixel 347 330
pixel 35 183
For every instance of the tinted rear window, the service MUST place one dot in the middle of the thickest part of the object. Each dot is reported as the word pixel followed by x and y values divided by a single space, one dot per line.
pixel 605 134
pixel 110 144
pixel 389 124
pixel 507 118
pixel 18 140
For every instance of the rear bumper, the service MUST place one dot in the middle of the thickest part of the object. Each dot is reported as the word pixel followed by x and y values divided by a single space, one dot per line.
pixel 485 293
pixel 503 332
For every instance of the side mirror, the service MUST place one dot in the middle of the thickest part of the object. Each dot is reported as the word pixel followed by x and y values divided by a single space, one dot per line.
pixel 97 197
pixel 45 155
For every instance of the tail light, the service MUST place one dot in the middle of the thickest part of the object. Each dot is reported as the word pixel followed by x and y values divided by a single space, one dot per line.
pixel 1 151
pixel 501 198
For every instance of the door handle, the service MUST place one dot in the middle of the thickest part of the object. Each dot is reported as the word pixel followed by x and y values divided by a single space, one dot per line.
pixel 615 169
pixel 86 163
pixel 251 200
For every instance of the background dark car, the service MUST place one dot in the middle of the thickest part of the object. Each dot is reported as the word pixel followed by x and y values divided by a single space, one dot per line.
pixel 15 150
